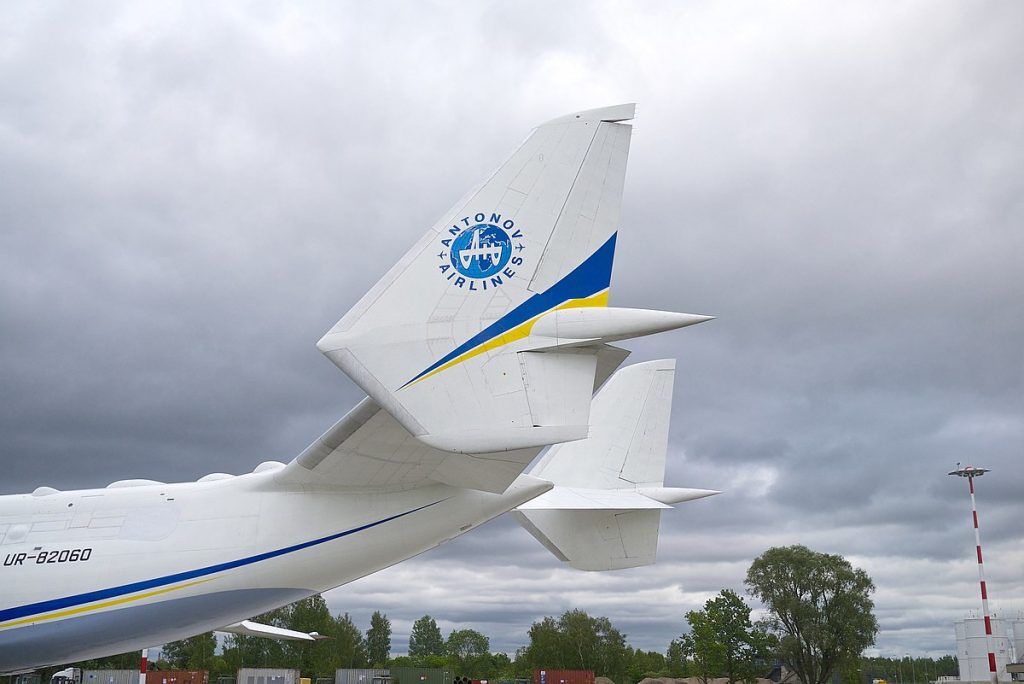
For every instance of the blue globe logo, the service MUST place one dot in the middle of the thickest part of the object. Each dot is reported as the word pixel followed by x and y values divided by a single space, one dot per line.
pixel 481 251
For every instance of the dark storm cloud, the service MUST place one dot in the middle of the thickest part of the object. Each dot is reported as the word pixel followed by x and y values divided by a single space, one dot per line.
pixel 192 195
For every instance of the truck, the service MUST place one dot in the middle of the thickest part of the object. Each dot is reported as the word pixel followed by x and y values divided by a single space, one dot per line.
pixel 70 675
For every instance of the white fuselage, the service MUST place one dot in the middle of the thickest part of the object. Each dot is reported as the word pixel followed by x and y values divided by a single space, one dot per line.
pixel 100 571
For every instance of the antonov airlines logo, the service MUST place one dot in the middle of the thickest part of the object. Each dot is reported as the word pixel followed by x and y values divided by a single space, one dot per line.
pixel 481 252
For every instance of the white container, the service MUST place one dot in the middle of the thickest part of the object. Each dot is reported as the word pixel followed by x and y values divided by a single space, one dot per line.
pixel 110 676
pixel 267 675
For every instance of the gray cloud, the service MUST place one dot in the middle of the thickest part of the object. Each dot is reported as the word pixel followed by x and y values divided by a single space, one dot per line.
pixel 191 196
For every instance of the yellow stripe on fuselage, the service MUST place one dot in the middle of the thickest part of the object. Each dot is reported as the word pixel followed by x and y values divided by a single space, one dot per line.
pixel 68 612
pixel 517 333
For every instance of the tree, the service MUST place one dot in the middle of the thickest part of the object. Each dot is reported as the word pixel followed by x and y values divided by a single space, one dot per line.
pixel 675 659
pixel 252 651
pixel 888 668
pixel 466 647
pixel 820 608
pixel 643 664
pixel 378 639
pixel 576 641
pixel 722 640
pixel 545 647
pixel 495 666
pixel 702 647
pixel 425 638
pixel 317 659
pixel 193 653
pixel 349 645
pixel 346 647
pixel 593 644
pixel 948 665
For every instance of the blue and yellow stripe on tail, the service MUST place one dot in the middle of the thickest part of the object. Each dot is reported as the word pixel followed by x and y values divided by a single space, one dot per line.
pixel 586 285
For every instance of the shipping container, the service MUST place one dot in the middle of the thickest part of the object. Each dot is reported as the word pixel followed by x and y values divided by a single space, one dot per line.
pixel 420 675
pixel 266 675
pixel 362 677
pixel 177 677
pixel 563 677
pixel 110 676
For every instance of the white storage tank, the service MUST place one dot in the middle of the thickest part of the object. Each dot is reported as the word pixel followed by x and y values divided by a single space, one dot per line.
pixel 972 649
pixel 1018 639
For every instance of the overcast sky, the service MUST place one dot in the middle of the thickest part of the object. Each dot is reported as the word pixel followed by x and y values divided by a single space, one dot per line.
pixel 191 194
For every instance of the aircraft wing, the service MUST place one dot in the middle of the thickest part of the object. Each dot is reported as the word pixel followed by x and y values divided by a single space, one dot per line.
pixel 250 628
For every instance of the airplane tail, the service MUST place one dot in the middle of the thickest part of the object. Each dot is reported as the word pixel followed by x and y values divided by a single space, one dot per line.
pixel 490 334
pixel 605 509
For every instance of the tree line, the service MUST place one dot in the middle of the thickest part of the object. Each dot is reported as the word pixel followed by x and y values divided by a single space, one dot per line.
pixel 817 622
pixel 574 640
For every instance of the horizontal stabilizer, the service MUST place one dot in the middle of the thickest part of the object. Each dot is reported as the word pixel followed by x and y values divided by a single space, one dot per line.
pixel 596 540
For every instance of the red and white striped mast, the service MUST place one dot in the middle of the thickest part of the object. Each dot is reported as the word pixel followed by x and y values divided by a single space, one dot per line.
pixel 971 472
pixel 143 666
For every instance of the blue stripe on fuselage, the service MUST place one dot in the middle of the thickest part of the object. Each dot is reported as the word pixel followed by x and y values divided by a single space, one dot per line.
pixel 98 595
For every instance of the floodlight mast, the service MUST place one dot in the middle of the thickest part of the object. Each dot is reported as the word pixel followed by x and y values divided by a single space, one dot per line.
pixel 971 472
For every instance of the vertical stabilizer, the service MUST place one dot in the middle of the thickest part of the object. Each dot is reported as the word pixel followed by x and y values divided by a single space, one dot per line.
pixel 605 509
pixel 629 436
pixel 437 341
